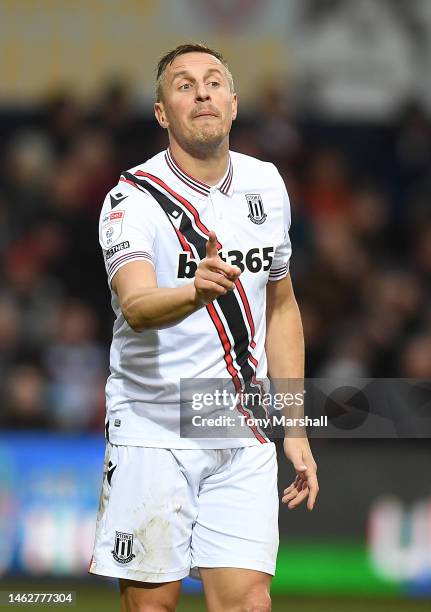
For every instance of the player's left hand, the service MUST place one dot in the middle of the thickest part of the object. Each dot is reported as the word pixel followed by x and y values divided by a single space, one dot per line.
pixel 298 451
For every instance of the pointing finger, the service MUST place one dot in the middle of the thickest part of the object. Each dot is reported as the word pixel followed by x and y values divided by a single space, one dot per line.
pixel 211 246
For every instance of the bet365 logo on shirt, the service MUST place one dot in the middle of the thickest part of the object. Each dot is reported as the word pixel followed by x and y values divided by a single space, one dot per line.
pixel 255 260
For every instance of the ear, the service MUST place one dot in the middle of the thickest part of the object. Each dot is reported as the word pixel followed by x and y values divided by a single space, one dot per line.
pixel 234 106
pixel 159 112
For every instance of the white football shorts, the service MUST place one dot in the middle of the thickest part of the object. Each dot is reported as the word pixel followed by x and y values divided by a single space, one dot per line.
pixel 165 513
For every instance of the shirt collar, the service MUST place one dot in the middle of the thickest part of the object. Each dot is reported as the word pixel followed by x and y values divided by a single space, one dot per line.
pixel 225 185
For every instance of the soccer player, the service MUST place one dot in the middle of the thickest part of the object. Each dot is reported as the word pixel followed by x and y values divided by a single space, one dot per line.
pixel 197 250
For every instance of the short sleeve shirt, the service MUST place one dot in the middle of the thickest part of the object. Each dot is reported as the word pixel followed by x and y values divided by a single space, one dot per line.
pixel 160 214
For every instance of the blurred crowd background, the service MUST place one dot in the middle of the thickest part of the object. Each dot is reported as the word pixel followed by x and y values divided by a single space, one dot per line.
pixel 348 125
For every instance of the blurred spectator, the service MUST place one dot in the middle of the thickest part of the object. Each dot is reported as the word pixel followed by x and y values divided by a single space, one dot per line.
pixel 94 156
pixel 26 398
pixel 335 275
pixel 73 209
pixel 115 115
pixel 28 166
pixel 397 293
pixel 77 367
pixel 9 335
pixel 327 190
pixel 68 186
pixel 368 218
pixel 32 292
pixel 416 358
pixel 277 135
pixel 47 243
pixel 423 251
pixel 114 110
pixel 246 141
pixel 350 355
pixel 394 303
pixel 413 146
pixel 64 118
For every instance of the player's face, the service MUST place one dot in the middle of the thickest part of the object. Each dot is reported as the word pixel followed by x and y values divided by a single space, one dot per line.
pixel 198 106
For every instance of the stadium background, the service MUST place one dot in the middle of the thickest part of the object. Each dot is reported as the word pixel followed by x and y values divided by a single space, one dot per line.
pixel 338 95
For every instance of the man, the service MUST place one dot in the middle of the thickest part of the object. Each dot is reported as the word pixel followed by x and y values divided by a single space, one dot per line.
pixel 191 238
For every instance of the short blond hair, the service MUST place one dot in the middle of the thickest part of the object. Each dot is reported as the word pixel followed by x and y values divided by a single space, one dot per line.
pixel 169 57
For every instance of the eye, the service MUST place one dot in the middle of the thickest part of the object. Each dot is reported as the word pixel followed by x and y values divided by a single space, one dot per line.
pixel 184 86
pixel 214 84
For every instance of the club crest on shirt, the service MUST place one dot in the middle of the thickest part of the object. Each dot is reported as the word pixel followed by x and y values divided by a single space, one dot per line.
pixel 112 225
pixel 255 207
pixel 123 547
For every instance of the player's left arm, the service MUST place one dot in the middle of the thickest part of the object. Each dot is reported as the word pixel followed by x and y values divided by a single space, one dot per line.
pixel 285 353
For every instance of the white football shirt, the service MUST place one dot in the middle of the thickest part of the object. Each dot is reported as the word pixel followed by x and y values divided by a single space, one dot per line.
pixel 159 213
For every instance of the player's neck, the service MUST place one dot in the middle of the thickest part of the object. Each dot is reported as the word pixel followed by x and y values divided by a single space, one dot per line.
pixel 209 169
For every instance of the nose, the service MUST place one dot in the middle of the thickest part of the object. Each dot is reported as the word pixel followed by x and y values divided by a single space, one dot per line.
pixel 202 93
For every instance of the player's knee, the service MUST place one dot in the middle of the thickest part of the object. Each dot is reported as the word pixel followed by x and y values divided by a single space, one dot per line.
pixel 135 602
pixel 256 600
pixel 140 597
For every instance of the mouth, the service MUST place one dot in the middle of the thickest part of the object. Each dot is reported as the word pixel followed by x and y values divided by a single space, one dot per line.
pixel 205 114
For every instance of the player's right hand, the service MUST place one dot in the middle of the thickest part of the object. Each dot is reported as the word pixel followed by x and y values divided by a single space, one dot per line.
pixel 214 277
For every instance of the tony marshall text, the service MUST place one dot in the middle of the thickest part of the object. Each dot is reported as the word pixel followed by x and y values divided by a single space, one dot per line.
pixel 275 420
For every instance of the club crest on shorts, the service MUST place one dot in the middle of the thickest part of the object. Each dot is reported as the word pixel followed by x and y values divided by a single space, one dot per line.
pixel 123 547
pixel 255 207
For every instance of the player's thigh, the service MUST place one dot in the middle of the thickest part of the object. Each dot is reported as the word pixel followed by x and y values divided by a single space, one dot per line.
pixel 139 596
pixel 229 589
pixel 145 518
pixel 237 522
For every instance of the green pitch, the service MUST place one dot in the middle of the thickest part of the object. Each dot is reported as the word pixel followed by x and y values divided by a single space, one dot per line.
pixel 287 604
pixel 106 598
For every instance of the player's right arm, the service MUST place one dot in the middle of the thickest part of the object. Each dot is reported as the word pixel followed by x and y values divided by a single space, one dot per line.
pixel 147 306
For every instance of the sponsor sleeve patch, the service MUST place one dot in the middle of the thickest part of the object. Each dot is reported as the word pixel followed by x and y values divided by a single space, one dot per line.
pixel 116 248
pixel 112 225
